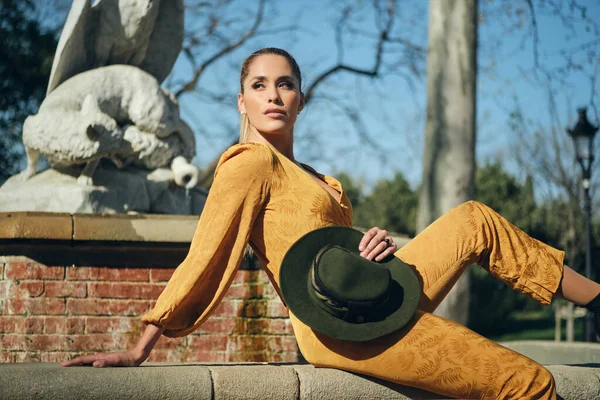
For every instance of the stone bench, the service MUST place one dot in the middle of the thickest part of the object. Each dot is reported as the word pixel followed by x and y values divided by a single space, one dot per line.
pixel 259 381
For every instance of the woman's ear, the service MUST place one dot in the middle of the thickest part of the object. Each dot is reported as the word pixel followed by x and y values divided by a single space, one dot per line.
pixel 241 107
pixel 302 102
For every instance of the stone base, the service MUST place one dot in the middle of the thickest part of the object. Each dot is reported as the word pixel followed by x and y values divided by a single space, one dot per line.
pixel 129 190
pixel 233 382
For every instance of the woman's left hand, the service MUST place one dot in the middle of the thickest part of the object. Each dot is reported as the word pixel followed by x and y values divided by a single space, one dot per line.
pixel 376 244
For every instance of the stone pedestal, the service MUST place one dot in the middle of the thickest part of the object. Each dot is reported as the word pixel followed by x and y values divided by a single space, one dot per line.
pixel 132 190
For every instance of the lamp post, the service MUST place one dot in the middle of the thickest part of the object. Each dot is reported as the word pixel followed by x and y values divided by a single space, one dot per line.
pixel 583 137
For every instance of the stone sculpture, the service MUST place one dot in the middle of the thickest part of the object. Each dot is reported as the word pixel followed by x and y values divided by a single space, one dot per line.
pixel 104 101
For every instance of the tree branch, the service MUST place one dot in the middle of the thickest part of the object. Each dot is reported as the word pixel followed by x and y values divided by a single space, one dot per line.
pixel 191 85
pixel 383 36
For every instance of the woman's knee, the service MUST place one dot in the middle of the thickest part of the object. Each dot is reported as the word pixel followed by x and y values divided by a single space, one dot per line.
pixel 545 386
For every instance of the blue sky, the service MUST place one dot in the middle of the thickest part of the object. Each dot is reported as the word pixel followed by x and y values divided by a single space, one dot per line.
pixel 393 107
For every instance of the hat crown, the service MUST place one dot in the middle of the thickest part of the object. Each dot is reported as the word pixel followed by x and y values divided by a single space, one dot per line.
pixel 345 276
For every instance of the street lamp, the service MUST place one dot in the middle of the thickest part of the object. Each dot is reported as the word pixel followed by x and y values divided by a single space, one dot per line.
pixel 583 137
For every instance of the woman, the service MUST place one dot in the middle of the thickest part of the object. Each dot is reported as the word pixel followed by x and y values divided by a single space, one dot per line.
pixel 261 194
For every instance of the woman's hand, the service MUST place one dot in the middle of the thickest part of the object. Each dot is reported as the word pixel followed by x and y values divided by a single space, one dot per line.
pixel 376 244
pixel 131 358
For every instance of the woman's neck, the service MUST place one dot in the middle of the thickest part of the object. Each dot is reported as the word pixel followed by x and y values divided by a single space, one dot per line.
pixel 283 143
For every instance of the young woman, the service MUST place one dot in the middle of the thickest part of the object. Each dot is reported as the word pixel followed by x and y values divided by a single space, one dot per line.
pixel 263 196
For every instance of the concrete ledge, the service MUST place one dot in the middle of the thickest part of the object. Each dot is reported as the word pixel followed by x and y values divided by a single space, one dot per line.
pixel 233 381
pixel 98 227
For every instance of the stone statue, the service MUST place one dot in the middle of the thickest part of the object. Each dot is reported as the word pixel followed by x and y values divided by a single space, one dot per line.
pixel 104 100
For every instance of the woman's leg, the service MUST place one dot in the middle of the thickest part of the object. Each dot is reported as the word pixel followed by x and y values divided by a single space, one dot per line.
pixel 577 288
pixel 442 356
pixel 474 233
pixel 436 355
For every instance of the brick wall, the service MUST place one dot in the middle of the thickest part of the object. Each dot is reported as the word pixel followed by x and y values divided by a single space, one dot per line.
pixel 54 313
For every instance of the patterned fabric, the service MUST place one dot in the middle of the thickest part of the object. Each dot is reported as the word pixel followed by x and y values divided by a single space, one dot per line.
pixel 261 196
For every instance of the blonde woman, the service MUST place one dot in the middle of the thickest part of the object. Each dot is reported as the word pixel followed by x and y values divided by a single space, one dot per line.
pixel 263 196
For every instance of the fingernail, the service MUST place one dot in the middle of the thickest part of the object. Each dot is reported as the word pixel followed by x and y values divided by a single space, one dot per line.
pixel 361 247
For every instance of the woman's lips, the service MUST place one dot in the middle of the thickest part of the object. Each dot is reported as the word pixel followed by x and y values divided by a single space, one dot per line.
pixel 275 115
pixel 274 112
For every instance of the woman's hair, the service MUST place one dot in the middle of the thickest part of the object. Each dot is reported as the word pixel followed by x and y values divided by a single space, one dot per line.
pixel 244 123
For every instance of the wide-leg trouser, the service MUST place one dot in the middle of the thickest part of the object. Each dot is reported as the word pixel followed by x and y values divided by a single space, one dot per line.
pixel 441 356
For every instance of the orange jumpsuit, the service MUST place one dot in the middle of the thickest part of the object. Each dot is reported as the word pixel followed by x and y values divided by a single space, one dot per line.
pixel 261 196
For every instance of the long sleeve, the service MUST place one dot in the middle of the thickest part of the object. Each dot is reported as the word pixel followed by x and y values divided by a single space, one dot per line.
pixel 239 191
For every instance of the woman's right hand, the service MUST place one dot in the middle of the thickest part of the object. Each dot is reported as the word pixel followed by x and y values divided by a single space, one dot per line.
pixel 131 358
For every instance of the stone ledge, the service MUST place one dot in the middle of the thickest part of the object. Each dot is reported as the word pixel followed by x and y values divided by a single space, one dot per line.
pixel 259 381
pixel 98 227
pixel 114 240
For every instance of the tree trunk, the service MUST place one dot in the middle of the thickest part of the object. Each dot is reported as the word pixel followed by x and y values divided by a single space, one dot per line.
pixel 449 155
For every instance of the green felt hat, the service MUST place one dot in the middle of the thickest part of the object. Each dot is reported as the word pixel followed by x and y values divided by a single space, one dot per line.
pixel 331 288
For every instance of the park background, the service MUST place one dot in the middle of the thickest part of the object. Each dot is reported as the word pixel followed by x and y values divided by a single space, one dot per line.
pixel 537 62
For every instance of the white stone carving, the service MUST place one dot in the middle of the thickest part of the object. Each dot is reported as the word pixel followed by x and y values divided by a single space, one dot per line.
pixel 104 101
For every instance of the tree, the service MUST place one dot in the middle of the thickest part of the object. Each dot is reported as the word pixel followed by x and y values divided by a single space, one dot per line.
pixel 26 53
pixel 391 205
pixel 449 156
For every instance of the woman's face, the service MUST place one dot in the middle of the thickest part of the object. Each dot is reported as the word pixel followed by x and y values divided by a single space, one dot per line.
pixel 272 97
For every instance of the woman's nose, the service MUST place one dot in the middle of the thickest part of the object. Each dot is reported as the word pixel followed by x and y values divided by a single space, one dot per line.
pixel 274 96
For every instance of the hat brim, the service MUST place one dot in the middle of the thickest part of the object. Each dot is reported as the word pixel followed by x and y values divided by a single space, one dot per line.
pixel 293 278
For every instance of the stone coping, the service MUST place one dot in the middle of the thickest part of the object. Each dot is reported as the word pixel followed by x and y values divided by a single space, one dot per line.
pixel 115 240
pixel 261 381
pixel 105 227
pixel 98 227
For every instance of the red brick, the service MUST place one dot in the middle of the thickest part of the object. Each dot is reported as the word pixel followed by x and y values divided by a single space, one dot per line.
pixel 113 324
pixel 246 343
pixel 161 274
pixel 123 274
pixel 170 343
pixel 57 356
pixel 244 356
pixel 82 273
pixel 1 271
pixel 64 325
pixel 207 343
pixel 21 289
pixel 107 307
pixel 289 357
pixel 33 342
pixel 65 289
pixel 15 356
pixel 107 274
pixel 38 306
pixel 125 290
pixel 282 343
pixel 221 325
pixel 254 308
pixel 229 308
pixel 158 355
pixel 255 326
pixel 205 356
pixel 278 326
pixel 20 324
pixel 33 271
pixel 256 276
pixel 101 342
pixel 244 292
pixel 276 309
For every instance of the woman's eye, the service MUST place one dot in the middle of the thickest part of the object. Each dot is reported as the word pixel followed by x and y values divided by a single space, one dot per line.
pixel 287 85
pixel 257 85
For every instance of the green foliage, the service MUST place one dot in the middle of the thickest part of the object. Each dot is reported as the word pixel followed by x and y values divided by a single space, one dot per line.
pixel 392 205
pixel 26 53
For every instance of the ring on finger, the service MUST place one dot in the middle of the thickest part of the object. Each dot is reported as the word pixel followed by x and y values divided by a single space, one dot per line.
pixel 387 241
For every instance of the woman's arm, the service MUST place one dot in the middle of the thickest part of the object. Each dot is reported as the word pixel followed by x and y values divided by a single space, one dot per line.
pixel 131 358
